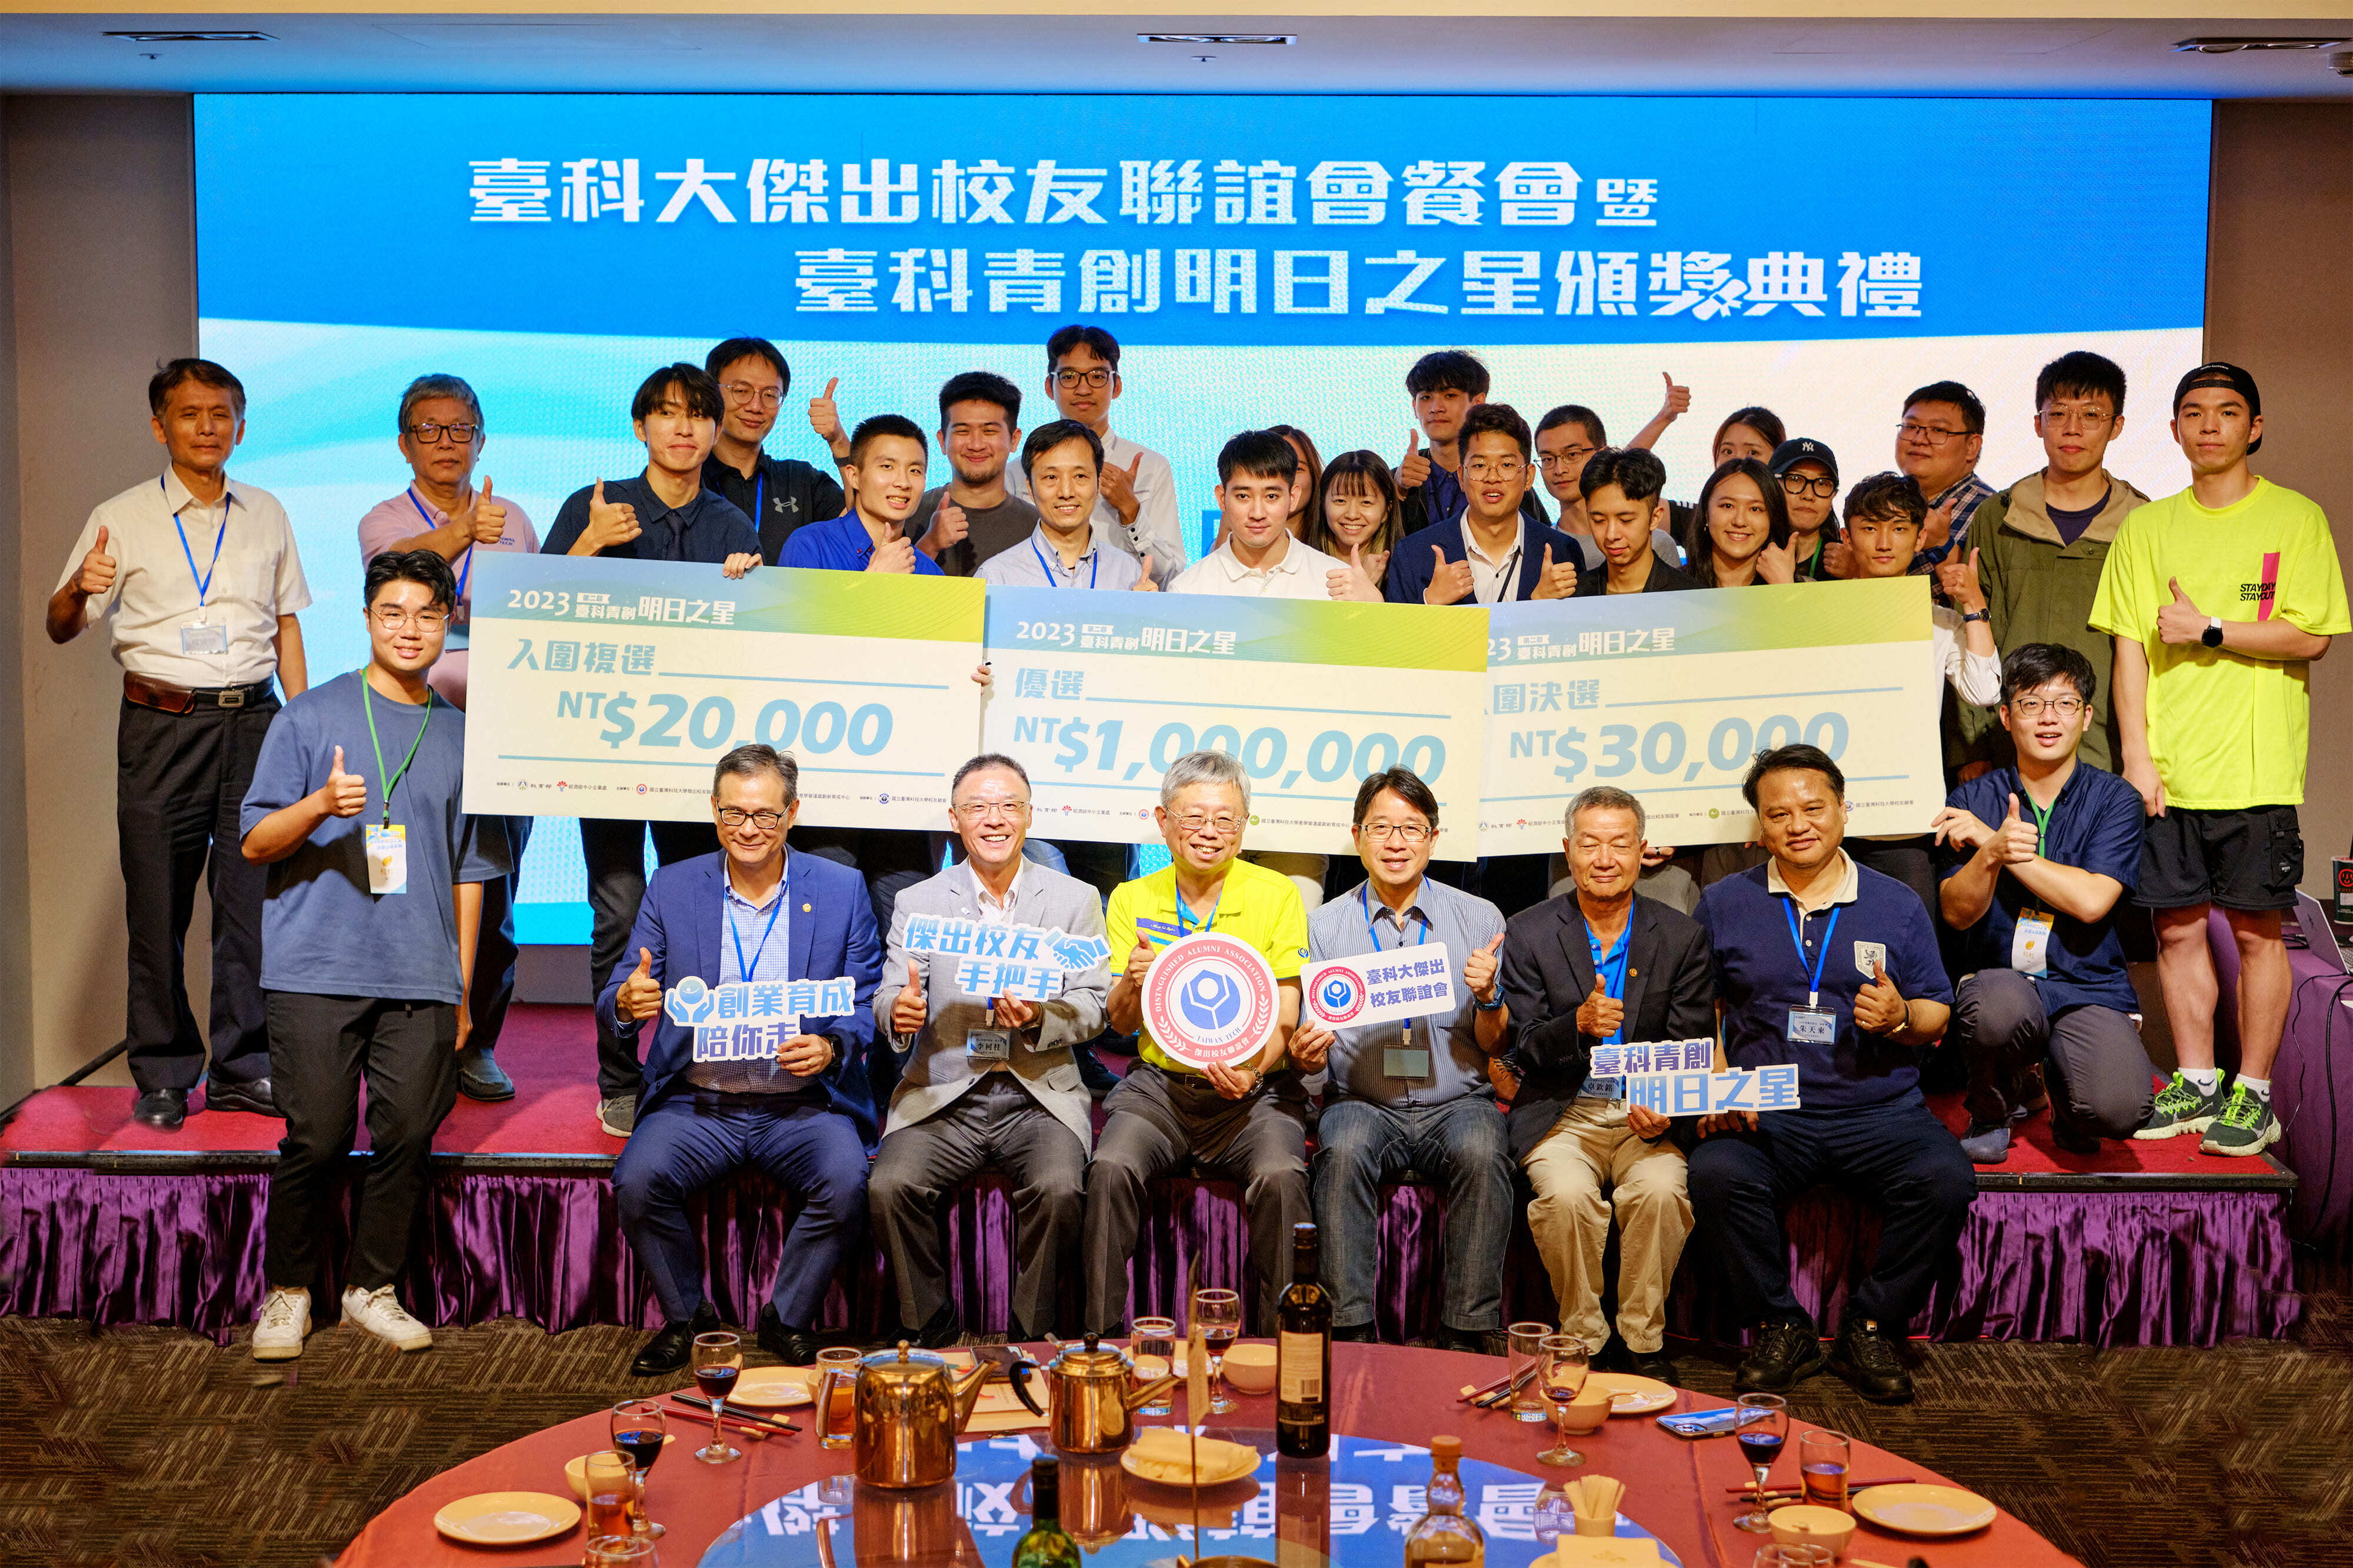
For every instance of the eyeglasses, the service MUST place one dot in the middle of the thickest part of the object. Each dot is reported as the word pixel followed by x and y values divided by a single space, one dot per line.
pixel 2069 418
pixel 431 435
pixel 1494 467
pixel 736 816
pixel 744 391
pixel 2033 707
pixel 1405 831
pixel 392 620
pixel 1071 380
pixel 1934 435
pixel 1822 485
pixel 1193 822
pixel 982 810
pixel 1566 457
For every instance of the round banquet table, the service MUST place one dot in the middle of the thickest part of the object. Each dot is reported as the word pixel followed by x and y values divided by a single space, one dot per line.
pixel 1675 1488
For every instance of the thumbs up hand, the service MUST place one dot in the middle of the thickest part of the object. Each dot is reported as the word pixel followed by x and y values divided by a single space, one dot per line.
pixel 483 519
pixel 1118 485
pixel 1413 469
pixel 1777 563
pixel 1678 402
pixel 609 522
pixel 1879 1007
pixel 1143 583
pixel 1601 1015
pixel 2180 621
pixel 2017 842
pixel 1450 581
pixel 825 418
pixel 97 575
pixel 893 555
pixel 346 794
pixel 908 1011
pixel 640 995
pixel 1555 580
pixel 949 526
pixel 1479 970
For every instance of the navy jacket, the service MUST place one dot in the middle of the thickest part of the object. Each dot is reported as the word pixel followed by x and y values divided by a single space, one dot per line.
pixel 1410 564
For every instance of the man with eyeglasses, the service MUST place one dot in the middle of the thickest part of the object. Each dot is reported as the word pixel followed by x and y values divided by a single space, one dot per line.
pixel 1566 439
pixel 1937 444
pixel 1411 1095
pixel 1808 470
pixel 442 434
pixel 2038 855
pixel 778 494
pixel 1244 1122
pixel 800 1112
pixel 988 1082
pixel 1136 509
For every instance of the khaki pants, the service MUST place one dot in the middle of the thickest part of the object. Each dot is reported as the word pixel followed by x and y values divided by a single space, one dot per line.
pixel 1589 1159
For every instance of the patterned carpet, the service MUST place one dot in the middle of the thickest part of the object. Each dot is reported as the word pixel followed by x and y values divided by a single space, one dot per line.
pixel 152 1448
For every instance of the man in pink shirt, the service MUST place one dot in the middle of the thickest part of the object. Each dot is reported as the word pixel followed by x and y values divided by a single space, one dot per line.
pixel 441 435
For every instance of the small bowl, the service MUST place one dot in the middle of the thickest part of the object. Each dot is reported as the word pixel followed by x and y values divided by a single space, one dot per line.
pixel 1250 1368
pixel 576 1470
pixel 1151 1367
pixel 1811 1524
pixel 1590 1411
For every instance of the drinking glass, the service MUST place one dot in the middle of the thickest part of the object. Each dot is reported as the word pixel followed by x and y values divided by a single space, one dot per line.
pixel 837 1391
pixel 1822 1459
pixel 638 1427
pixel 612 1487
pixel 1561 1376
pixel 1762 1426
pixel 1156 1336
pixel 1773 1555
pixel 618 1551
pixel 1527 1350
pixel 1556 1516
pixel 718 1362
pixel 1219 1313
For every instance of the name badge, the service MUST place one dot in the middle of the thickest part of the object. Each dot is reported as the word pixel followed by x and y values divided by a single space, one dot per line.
pixel 1399 1063
pixel 387 859
pixel 2030 943
pixel 987 1045
pixel 1813 1027
pixel 203 636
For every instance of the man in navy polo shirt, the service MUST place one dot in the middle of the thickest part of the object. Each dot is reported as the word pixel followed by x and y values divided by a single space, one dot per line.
pixel 1834 968
pixel 2038 855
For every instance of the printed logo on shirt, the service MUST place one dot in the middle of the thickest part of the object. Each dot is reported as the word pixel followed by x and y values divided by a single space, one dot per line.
pixel 1869 956
pixel 2265 592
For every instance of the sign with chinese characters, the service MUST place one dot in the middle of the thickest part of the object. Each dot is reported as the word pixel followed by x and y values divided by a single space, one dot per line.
pixel 1671 696
pixel 750 1021
pixel 1653 1057
pixel 1703 1093
pixel 611 687
pixel 1097 693
pixel 992 960
pixel 1406 983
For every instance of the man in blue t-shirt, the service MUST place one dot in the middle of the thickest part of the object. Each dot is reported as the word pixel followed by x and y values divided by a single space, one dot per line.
pixel 2038 853
pixel 1822 964
pixel 367 945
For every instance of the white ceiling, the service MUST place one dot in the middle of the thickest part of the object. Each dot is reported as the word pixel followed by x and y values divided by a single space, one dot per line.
pixel 1455 54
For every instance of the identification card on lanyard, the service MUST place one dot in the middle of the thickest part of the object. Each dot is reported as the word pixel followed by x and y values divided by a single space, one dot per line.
pixel 1400 1060
pixel 2029 942
pixel 387 842
pixel 203 635
pixel 1813 1024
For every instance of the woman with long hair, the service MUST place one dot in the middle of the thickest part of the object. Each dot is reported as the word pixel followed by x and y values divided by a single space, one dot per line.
pixel 1740 529
pixel 1355 517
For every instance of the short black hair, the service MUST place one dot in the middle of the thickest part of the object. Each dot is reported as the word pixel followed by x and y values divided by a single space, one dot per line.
pixel 1791 759
pixel 983 761
pixel 1105 346
pixel 1403 783
pixel 736 349
pixel 1887 495
pixel 1494 420
pixel 1959 396
pixel 171 375
pixel 1260 454
pixel 1448 370
pixel 752 759
pixel 2082 374
pixel 878 425
pixel 1579 414
pixel 1635 470
pixel 695 389
pixel 1762 420
pixel 1047 436
pixel 2035 664
pixel 424 566
pixel 981 386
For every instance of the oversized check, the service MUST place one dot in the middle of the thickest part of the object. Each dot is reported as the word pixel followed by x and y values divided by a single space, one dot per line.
pixel 609 687
pixel 1097 693
pixel 1671 695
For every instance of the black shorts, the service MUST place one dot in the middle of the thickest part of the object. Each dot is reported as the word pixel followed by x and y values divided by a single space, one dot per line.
pixel 2248 861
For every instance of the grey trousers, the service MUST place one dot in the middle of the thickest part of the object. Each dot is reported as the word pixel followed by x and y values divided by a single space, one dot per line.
pixel 2104 1073
pixel 993 1126
pixel 1162 1124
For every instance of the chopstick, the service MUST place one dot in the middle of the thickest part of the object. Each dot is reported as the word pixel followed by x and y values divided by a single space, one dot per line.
pixel 1471 1395
pixel 772 1423
pixel 757 1433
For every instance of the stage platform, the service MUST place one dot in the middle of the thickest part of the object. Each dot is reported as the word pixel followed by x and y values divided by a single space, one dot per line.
pixel 103 1218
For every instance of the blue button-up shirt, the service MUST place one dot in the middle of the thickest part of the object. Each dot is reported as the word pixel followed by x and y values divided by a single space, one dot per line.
pixel 747 933
pixel 1036 562
pixel 841 544
pixel 1358 924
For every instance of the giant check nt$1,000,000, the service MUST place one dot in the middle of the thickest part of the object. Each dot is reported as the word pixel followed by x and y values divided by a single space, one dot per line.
pixel 610 688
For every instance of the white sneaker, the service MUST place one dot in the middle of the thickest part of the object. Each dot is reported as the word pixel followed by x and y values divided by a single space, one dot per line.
pixel 285 1319
pixel 379 1311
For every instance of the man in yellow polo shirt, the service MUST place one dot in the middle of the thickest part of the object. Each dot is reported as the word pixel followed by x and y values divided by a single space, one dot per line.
pixel 2219 599
pixel 1243 1122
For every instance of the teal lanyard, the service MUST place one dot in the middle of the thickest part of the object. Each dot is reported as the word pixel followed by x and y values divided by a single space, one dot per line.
pixel 1182 930
pixel 367 700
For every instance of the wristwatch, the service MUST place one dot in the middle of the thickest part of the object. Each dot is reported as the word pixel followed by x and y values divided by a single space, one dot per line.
pixel 1977 615
pixel 1488 1006
pixel 2212 635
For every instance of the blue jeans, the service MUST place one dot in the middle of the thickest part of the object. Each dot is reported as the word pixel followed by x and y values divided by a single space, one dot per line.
pixel 1461 1145
pixel 690 1139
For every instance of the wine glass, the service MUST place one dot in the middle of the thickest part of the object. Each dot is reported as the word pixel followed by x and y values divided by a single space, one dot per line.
pixel 1219 1313
pixel 718 1362
pixel 1761 1421
pixel 639 1428
pixel 618 1551
pixel 1561 1376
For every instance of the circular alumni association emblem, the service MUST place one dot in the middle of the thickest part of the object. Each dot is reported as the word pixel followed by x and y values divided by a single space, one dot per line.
pixel 1339 996
pixel 1210 999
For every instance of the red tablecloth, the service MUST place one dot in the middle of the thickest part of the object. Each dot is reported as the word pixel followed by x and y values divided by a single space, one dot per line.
pixel 1675 1488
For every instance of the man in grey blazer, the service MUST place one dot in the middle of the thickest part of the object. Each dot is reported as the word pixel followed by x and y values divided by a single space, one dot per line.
pixel 987 1083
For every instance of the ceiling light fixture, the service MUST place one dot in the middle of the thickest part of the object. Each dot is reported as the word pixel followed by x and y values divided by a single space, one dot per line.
pixel 1217 37
pixel 2250 46
pixel 187 37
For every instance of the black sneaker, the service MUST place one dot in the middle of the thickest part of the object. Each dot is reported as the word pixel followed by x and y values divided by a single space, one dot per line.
pixel 1866 1357
pixel 1655 1363
pixel 1785 1355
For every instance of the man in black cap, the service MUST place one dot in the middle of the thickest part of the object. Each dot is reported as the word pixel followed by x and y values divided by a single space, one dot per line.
pixel 1808 470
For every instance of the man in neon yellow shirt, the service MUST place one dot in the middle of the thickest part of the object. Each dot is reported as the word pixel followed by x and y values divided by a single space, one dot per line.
pixel 1245 1122
pixel 2219 599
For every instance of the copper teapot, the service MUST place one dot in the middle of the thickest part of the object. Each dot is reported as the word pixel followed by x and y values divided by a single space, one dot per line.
pixel 907 1410
pixel 1091 1398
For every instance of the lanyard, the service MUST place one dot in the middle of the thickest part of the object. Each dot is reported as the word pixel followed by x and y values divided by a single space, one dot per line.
pixel 2042 820
pixel 1093 568
pixel 1814 981
pixel 1178 896
pixel 1365 899
pixel 759 493
pixel 390 782
pixel 744 966
pixel 205 582
pixel 465 569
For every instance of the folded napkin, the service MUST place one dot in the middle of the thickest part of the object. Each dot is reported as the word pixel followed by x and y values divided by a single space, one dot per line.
pixel 1602 1551
pixel 1164 1454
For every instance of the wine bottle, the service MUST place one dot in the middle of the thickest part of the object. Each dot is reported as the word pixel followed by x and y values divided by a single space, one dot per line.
pixel 1445 1534
pixel 1303 1395
pixel 1047 1545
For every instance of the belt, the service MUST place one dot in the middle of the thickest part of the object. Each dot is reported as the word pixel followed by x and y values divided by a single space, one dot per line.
pixel 165 697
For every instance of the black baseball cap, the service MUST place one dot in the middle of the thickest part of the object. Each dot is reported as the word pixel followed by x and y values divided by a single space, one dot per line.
pixel 2217 373
pixel 1804 449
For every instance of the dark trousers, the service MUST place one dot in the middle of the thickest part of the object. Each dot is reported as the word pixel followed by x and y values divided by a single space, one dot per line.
pixel 991 1126
pixel 2104 1073
pixel 179 784
pixel 495 950
pixel 321 1049
pixel 1460 1145
pixel 1162 1123
pixel 615 851
pixel 1898 1155
pixel 694 1137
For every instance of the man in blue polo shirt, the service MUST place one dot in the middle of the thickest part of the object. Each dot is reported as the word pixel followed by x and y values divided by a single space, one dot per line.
pixel 1834 968
pixel 2038 855
pixel 885 471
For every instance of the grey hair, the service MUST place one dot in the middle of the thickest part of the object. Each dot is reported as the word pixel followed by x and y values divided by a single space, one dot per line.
pixel 752 760
pixel 440 385
pixel 1203 768
pixel 1604 798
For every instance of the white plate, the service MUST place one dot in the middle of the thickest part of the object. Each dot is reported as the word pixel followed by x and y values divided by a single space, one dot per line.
pixel 506 1518
pixel 1631 1395
pixel 774 1388
pixel 1919 1509
pixel 1244 1464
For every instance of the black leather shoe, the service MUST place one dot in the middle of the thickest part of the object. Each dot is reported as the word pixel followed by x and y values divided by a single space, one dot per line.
pixel 1099 1079
pixel 163 1109
pixel 1358 1334
pixel 2070 1136
pixel 794 1347
pixel 1868 1359
pixel 674 1347
pixel 1655 1363
pixel 1785 1355
pixel 480 1077
pixel 1613 1357
pixel 253 1095
pixel 943 1331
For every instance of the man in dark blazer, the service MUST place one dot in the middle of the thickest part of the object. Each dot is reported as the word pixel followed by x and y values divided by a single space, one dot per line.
pixel 1489 551
pixel 731 1080
pixel 1597 966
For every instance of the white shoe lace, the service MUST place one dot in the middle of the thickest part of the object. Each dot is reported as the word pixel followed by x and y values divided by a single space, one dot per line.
pixel 283 1312
pixel 388 1311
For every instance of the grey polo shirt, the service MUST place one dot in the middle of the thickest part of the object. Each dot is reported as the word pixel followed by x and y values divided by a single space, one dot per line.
pixel 1353 926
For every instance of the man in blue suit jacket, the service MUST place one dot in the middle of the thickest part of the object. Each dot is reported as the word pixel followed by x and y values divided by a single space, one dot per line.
pixel 1490 551
pixel 748 1090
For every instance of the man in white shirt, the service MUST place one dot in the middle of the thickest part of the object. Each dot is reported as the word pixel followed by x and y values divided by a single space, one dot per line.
pixel 1138 507
pixel 200 578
